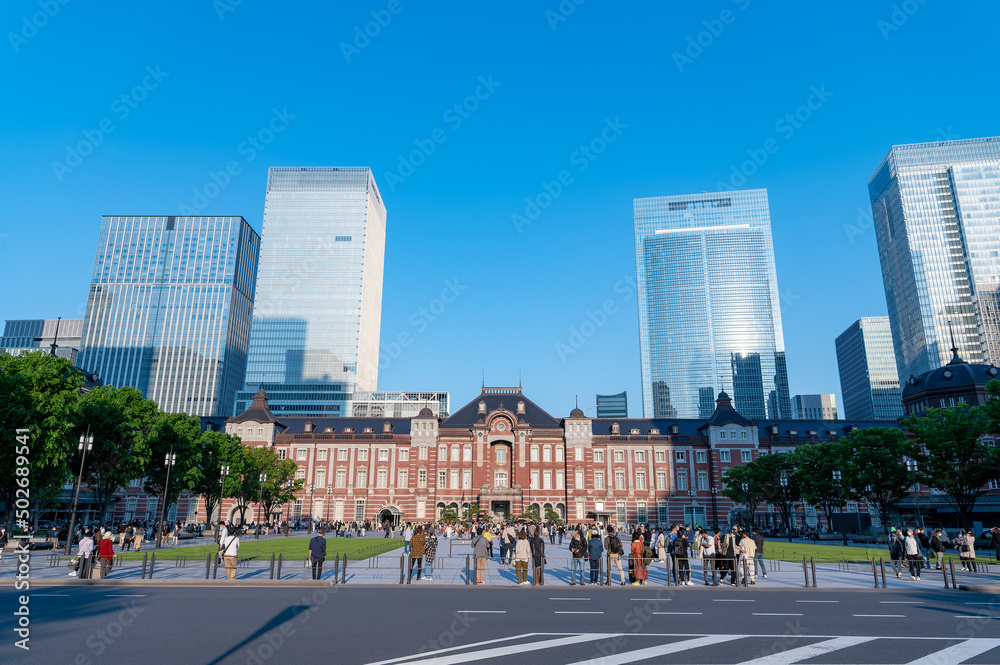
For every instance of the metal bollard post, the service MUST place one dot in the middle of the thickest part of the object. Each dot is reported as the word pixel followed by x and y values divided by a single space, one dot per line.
pixel 467 570
pixel 875 572
pixel 272 566
pixel 402 567
pixel 145 557
pixel 152 564
pixel 336 567
pixel 805 572
pixel 343 570
pixel 280 560
pixel 215 567
pixel 944 569
pixel 812 564
pixel 882 566
pixel 208 565
pixel 951 564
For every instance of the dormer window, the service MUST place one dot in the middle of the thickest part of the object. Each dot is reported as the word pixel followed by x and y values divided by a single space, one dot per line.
pixel 774 430
pixel 387 428
pixel 675 429
pixel 367 430
pixel 348 430
pixel 793 432
pixel 482 406
pixel 633 431
pixel 832 432
pixel 309 427
pixel 722 434
pixel 811 432
pixel 654 432
pixel 328 430
pixel 616 428
pixel 520 407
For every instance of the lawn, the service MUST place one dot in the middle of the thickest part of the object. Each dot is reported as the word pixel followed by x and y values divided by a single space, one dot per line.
pixel 795 551
pixel 291 548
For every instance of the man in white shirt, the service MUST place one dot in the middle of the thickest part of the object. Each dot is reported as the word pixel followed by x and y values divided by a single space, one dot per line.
pixel 228 548
pixel 84 552
pixel 911 548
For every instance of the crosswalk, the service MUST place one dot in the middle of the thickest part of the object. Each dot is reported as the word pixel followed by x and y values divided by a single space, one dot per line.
pixel 624 648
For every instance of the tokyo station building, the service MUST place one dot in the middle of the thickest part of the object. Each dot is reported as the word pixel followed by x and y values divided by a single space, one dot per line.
pixel 506 454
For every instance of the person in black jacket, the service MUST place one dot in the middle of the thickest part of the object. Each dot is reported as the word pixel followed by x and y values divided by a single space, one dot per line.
pixel 995 539
pixel 938 546
pixel 538 557
pixel 925 545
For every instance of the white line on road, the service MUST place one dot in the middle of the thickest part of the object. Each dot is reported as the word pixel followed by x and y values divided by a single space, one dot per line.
pixel 481 611
pixel 430 658
pixel 810 651
pixel 579 613
pixel 124 595
pixel 50 595
pixel 658 600
pixel 974 616
pixel 660 650
pixel 774 614
pixel 958 653
pixel 734 600
pixel 993 603
pixel 698 613
pixel 569 598
pixel 817 601
pixel 901 602
pixel 881 616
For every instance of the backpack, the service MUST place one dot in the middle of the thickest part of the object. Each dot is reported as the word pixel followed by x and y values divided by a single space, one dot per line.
pixel 647 555
pixel 615 545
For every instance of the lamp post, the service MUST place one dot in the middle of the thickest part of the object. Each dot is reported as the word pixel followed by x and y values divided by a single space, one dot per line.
pixel 263 479
pixel 911 465
pixel 836 483
pixel 784 497
pixel 715 507
pixel 329 499
pixel 223 474
pixel 86 443
pixel 288 519
pixel 312 504
pixel 169 462
pixel 746 492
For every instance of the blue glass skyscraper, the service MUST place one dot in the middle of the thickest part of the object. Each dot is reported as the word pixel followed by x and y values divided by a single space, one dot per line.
pixel 169 309
pixel 314 341
pixel 936 208
pixel 869 382
pixel 709 316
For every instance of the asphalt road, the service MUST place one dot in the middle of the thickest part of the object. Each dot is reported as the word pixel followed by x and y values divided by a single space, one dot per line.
pixel 603 626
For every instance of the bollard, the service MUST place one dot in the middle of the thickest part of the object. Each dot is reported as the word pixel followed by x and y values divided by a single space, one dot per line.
pixel 215 567
pixel 467 570
pixel 812 564
pixel 336 567
pixel 402 565
pixel 343 571
pixel 272 567
pixel 882 566
pixel 951 564
pixel 805 572
pixel 944 569
pixel 144 558
pixel 208 565
pixel 875 572
pixel 152 564
pixel 281 557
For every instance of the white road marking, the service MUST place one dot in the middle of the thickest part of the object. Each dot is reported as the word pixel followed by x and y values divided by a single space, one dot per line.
pixel 957 653
pixel 993 603
pixel 658 600
pixel 882 616
pixel 817 601
pixel 50 595
pixel 481 611
pixel 456 648
pixel 579 612
pixel 901 602
pixel 774 614
pixel 660 650
pixel 811 651
pixel 698 613
pixel 508 650
pixel 569 598
pixel 974 616
pixel 734 600
pixel 124 595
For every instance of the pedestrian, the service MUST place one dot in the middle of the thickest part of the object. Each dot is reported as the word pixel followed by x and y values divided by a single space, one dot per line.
pixel 758 557
pixel 579 550
pixel 418 547
pixel 748 551
pixel 938 547
pixel 510 540
pixel 430 552
pixel 480 552
pixel 995 540
pixel 106 555
pixel 228 550
pixel 317 553
pixel 681 559
pixel 706 544
pixel 594 551
pixel 967 550
pixel 896 552
pixel 3 541
pixel 84 552
pixel 661 546
pixel 613 544
pixel 925 545
pixel 911 549
pixel 522 552
pixel 638 560
pixel 538 557
pixel 407 537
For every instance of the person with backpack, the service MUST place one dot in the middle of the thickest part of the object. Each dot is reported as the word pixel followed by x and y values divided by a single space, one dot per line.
pixel 681 559
pixel 579 551
pixel 594 552
pixel 613 545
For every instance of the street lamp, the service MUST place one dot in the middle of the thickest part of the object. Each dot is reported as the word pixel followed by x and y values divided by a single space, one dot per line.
pixel 746 492
pixel 911 466
pixel 784 496
pixel 312 504
pixel 836 483
pixel 263 478
pixel 288 519
pixel 715 506
pixel 329 499
pixel 223 474
pixel 86 443
pixel 169 462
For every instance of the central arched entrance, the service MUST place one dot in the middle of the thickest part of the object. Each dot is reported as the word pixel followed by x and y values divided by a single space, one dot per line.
pixel 391 515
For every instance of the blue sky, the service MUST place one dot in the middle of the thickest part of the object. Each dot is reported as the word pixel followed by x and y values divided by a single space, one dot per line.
pixel 684 93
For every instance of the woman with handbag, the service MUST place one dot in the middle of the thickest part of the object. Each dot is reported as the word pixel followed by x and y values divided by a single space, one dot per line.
pixel 967 551
pixel 106 554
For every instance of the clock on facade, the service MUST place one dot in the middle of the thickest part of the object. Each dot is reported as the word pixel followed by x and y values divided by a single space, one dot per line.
pixel 501 426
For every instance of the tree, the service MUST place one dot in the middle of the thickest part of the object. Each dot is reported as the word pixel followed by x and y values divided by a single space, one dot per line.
pixel 216 449
pixel 552 517
pixel 814 470
pixel 449 514
pixel 177 434
pixel 954 460
pixel 471 512
pixel 123 424
pixel 780 487
pixel 40 394
pixel 753 494
pixel 875 470
pixel 531 515
pixel 277 492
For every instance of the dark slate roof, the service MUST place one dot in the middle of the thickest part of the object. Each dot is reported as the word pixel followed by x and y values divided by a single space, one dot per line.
pixel 956 376
pixel 297 425
pixel 724 413
pixel 533 414
pixel 258 412
pixel 425 413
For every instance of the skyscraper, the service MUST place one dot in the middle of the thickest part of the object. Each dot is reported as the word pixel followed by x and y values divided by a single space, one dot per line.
pixel 814 407
pixel 31 334
pixel 709 316
pixel 612 406
pixel 938 228
pixel 315 334
pixel 869 383
pixel 169 309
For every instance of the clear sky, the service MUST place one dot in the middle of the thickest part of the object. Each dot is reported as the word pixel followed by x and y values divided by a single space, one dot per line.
pixel 670 100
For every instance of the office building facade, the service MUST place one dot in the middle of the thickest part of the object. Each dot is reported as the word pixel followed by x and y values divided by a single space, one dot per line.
pixel 869 383
pixel 814 407
pixel 938 228
pixel 34 334
pixel 709 315
pixel 314 341
pixel 612 406
pixel 169 309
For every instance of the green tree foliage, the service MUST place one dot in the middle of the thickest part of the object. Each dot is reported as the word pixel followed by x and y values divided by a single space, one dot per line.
pixel 753 494
pixel 175 433
pixel 552 517
pixel 449 514
pixel 814 470
pixel 41 393
pixel 875 468
pixel 783 494
pixel 281 484
pixel 216 449
pixel 954 461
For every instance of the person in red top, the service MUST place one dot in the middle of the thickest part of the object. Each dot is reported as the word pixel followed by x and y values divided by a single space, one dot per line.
pixel 106 555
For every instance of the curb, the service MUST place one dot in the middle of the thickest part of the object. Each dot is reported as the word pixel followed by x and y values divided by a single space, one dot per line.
pixel 184 583
pixel 979 589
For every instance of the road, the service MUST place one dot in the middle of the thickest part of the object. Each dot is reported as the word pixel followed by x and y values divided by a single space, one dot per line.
pixel 557 625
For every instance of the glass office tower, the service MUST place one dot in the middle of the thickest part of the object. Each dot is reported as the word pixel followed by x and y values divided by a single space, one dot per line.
pixel 869 383
pixel 709 317
pixel 937 221
pixel 613 406
pixel 169 309
pixel 315 334
pixel 814 407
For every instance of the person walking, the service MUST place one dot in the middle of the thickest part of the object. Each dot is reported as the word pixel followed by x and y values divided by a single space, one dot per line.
pixel 938 547
pixel 911 549
pixel 522 552
pixel 418 547
pixel 228 550
pixel 637 560
pixel 579 551
pixel 613 544
pixel 748 552
pixel 661 547
pixel 995 541
pixel 538 557
pixel 896 553
pixel 480 552
pixel 681 557
pixel 84 552
pixel 594 551
pixel 3 541
pixel 706 544
pixel 106 555
pixel 510 539
pixel 758 557
pixel 317 553
pixel 407 536
pixel 430 551
pixel 967 550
